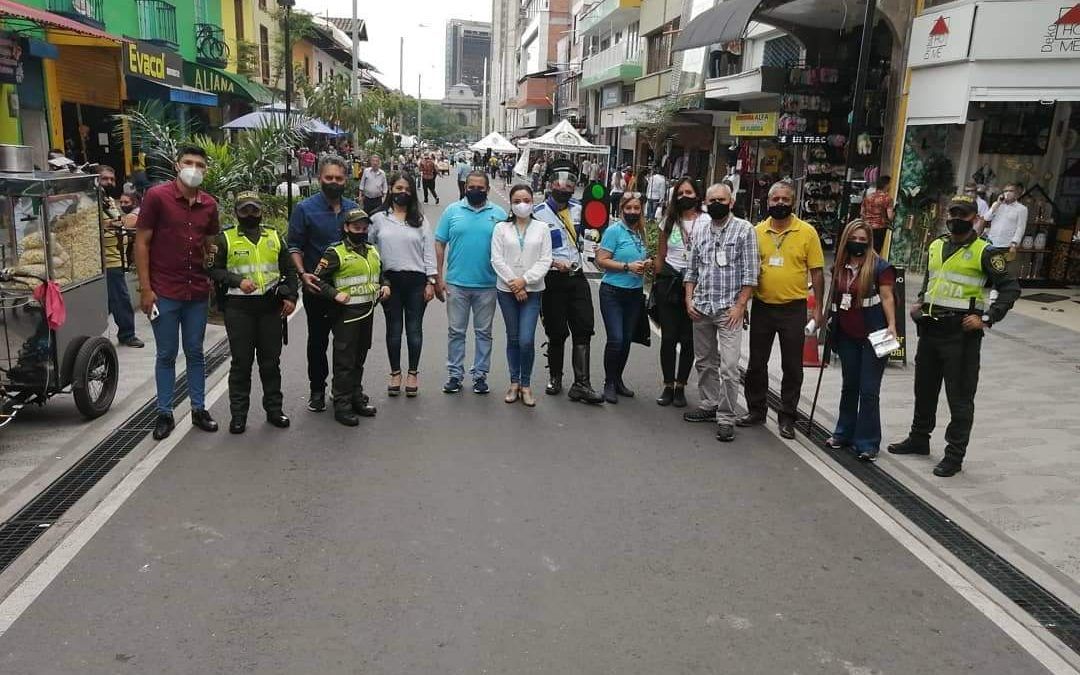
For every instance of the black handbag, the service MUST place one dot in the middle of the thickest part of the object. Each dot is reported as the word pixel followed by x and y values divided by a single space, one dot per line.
pixel 643 330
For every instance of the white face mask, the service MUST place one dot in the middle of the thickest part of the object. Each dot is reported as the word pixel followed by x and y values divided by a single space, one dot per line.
pixel 191 177
pixel 522 209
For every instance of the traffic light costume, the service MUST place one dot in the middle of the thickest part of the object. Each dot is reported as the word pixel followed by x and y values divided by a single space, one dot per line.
pixel 566 307
pixel 254 266
pixel 960 267
pixel 353 268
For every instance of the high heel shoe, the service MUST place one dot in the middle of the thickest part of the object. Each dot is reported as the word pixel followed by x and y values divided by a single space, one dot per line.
pixel 414 390
pixel 527 397
pixel 512 394
pixel 391 388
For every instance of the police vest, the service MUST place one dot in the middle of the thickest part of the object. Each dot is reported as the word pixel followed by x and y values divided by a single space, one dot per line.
pixel 957 283
pixel 358 275
pixel 257 261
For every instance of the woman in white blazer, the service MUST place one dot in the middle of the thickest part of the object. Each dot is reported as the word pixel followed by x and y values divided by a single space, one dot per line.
pixel 521 256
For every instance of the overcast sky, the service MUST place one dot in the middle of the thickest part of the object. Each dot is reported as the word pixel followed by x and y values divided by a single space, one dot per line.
pixel 389 20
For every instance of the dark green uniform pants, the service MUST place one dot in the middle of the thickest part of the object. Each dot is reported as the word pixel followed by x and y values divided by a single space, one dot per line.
pixel 946 353
pixel 254 329
pixel 352 340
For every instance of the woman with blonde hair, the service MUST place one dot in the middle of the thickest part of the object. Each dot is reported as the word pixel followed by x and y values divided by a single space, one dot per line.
pixel 862 303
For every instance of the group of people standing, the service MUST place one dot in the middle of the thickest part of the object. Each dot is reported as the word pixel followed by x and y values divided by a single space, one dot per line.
pixel 715 275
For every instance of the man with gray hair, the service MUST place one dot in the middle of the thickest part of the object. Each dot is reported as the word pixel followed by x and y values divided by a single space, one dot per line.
pixel 373 185
pixel 790 253
pixel 721 273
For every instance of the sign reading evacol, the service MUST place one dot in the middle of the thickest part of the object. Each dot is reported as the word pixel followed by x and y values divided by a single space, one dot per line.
pixel 150 62
pixel 1036 29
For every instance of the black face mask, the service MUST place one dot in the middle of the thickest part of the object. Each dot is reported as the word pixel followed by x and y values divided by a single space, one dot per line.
pixel 356 238
pixel 248 222
pixel 857 249
pixel 476 196
pixel 718 211
pixel 959 225
pixel 113 191
pixel 401 198
pixel 561 196
pixel 333 190
pixel 685 203
pixel 779 211
pixel 631 218
pixel 128 209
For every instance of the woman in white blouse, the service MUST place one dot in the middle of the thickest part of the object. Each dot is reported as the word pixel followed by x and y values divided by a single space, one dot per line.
pixel 521 256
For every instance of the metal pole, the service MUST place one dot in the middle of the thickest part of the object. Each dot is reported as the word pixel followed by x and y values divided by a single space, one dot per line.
pixel 858 105
pixel 419 111
pixel 401 66
pixel 288 101
pixel 355 89
pixel 484 105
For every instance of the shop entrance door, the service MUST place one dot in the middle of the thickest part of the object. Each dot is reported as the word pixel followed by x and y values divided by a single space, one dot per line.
pixel 88 136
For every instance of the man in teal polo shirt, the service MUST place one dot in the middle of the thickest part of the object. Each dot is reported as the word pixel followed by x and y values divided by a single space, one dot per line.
pixel 463 241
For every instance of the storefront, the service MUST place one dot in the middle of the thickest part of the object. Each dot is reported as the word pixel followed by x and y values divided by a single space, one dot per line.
pixel 237 95
pixel 995 98
pixel 85 86
pixel 154 73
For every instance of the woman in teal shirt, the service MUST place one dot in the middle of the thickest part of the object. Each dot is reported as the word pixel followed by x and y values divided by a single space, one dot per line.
pixel 623 257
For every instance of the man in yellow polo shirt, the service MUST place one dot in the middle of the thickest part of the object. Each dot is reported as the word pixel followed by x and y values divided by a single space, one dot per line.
pixel 790 252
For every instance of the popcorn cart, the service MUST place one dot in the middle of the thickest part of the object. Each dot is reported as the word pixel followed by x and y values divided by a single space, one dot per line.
pixel 50 231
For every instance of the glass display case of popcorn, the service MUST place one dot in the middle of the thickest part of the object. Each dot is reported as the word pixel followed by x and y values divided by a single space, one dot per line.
pixel 50 231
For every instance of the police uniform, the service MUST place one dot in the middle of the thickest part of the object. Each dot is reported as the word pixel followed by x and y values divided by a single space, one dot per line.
pixel 566 306
pixel 355 270
pixel 253 321
pixel 954 287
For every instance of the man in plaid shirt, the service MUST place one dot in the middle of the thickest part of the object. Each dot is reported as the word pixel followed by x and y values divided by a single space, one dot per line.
pixel 720 278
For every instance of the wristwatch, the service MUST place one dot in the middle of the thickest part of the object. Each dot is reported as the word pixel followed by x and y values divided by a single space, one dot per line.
pixel 626 267
pixel 986 320
pixel 431 281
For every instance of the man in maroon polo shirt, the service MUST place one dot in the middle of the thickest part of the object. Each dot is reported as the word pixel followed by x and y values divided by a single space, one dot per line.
pixel 176 225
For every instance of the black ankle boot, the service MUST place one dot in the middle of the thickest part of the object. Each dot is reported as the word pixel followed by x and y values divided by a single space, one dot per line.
pixel 679 399
pixel 666 396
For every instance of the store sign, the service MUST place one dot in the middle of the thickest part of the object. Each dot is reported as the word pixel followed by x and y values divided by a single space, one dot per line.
pixel 941 36
pixel 11 66
pixel 802 139
pixel 149 62
pixel 609 96
pixel 1037 29
pixel 754 124
pixel 208 79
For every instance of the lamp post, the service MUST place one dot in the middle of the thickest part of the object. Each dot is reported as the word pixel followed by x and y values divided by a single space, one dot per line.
pixel 287 5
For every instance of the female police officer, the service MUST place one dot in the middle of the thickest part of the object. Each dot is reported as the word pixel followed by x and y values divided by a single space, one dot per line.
pixel 262 287
pixel 350 273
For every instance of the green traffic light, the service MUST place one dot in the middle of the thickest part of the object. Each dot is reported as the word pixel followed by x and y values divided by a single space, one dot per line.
pixel 598 191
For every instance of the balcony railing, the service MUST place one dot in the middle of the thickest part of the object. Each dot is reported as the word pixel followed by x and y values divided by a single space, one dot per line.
pixel 157 22
pixel 83 11
pixel 210 46
pixel 603 11
pixel 610 65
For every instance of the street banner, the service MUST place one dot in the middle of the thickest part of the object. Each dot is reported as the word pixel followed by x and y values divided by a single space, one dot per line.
pixel 754 124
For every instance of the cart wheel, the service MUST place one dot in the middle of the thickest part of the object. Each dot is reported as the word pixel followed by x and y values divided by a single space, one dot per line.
pixel 94 377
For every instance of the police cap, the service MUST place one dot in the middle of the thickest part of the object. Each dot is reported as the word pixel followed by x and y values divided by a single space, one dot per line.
pixel 248 198
pixel 963 204
pixel 562 170
pixel 356 215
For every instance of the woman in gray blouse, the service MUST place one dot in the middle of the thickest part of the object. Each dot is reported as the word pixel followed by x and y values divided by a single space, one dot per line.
pixel 407 249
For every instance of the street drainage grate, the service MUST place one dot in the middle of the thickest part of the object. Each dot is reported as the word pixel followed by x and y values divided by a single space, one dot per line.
pixel 1051 612
pixel 23 529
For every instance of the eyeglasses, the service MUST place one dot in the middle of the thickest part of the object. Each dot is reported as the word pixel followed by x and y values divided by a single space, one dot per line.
pixel 632 195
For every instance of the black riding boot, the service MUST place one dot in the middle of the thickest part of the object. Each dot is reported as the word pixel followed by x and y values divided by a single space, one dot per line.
pixel 582 389
pixel 556 353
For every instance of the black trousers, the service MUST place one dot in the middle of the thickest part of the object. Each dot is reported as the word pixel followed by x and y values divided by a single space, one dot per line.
pixel 766 323
pixel 676 329
pixel 372 204
pixel 950 355
pixel 320 313
pixel 254 329
pixel 461 189
pixel 429 186
pixel 405 309
pixel 566 309
pixel 352 341
pixel 879 238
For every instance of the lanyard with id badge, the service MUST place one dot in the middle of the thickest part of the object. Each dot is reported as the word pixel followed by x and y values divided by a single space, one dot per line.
pixel 777 258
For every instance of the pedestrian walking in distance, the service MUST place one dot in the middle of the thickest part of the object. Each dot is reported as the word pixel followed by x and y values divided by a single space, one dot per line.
pixel 427 175
pixel 463 244
pixel 721 273
pixel 623 257
pixel 566 306
pixel 861 303
pixel 316 224
pixel 790 251
pixel 521 257
pixel 676 328
pixel 951 316
pixel 254 265
pixel 373 185
pixel 407 248
pixel 176 227
pixel 350 275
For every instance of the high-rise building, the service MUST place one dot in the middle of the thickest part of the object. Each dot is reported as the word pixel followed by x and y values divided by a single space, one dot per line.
pixel 468 44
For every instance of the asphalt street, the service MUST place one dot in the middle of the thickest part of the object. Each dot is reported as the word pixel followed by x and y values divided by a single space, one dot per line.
pixel 459 534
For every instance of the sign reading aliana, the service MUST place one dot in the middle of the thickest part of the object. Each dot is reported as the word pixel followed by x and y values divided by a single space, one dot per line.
pixel 223 83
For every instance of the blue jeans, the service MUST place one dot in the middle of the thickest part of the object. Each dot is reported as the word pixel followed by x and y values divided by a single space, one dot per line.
pixel 459 302
pixel 621 308
pixel 405 310
pixel 187 317
pixel 120 304
pixel 520 319
pixel 859 419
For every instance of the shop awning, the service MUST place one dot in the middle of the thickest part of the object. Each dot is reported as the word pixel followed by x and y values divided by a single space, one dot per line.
pixel 145 89
pixel 224 83
pixel 14 10
pixel 722 23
